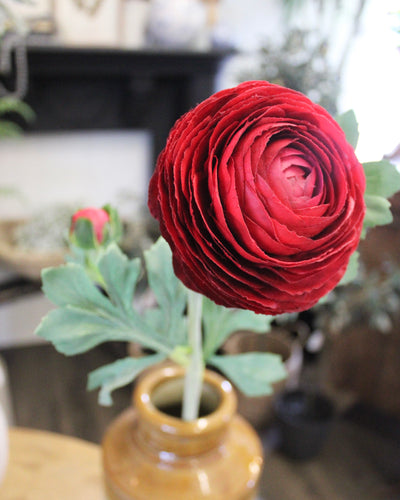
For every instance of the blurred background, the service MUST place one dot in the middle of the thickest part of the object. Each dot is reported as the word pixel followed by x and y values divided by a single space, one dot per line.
pixel 88 92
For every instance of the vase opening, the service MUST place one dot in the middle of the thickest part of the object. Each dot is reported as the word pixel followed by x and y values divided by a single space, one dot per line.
pixel 167 398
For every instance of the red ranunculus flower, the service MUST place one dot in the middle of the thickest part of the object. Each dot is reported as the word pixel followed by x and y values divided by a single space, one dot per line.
pixel 97 216
pixel 260 197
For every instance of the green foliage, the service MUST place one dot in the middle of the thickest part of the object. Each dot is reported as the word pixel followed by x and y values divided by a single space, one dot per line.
pixel 87 315
pixel 113 231
pixel 75 330
pixel 383 180
pixel 349 125
pixel 8 106
pixel 170 293
pixel 352 269
pixel 378 211
pixel 9 129
pixel 253 372
pixel 12 105
pixel 120 276
pixel 118 374
pixel 69 285
pixel 83 235
pixel 103 317
pixel 220 322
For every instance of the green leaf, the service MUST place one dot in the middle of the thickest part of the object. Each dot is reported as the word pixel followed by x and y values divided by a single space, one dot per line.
pixel 352 269
pixel 220 322
pixel 70 288
pixel 156 320
pixel 120 276
pixel 170 293
pixel 70 285
pixel 349 125
pixel 378 211
pixel 83 235
pixel 9 129
pixel 12 105
pixel 383 178
pixel 114 230
pixel 253 373
pixel 73 330
pixel 119 374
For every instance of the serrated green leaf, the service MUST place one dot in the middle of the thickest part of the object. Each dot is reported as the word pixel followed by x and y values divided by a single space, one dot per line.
pixel 73 330
pixel 170 293
pixel 352 269
pixel 119 374
pixel 378 211
pixel 220 322
pixel 383 178
pixel 253 373
pixel 349 125
pixel 69 285
pixel 120 276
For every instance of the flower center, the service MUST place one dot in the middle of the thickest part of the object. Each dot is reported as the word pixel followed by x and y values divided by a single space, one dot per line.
pixel 291 177
pixel 296 180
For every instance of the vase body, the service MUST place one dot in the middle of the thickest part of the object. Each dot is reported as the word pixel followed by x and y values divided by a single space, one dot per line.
pixel 149 454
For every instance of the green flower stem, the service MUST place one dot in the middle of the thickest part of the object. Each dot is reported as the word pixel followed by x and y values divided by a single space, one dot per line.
pixel 195 370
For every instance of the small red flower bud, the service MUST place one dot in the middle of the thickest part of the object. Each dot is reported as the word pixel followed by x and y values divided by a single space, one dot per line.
pixel 97 216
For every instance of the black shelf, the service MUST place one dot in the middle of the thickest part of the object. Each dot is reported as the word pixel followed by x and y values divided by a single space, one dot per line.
pixel 74 88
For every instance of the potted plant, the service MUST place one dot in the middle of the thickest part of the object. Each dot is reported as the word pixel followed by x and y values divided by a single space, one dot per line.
pixel 260 201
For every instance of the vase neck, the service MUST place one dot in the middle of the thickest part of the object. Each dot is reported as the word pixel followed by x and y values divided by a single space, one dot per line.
pixel 160 433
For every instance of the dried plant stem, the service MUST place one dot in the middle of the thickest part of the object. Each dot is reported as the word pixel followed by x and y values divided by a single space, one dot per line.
pixel 195 370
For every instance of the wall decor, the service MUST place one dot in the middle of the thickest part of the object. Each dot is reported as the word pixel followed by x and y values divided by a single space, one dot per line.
pixel 35 17
pixel 88 22
pixel 134 18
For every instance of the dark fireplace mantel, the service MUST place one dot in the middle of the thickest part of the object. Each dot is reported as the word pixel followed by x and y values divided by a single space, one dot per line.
pixel 96 89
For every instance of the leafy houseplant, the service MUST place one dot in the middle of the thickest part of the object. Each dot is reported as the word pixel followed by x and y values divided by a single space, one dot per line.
pixel 257 150
pixel 95 292
pixel 261 203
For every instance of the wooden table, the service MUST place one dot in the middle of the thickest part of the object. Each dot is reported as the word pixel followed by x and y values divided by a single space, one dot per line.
pixel 48 466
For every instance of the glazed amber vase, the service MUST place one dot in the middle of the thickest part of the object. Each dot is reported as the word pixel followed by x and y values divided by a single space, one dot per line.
pixel 149 454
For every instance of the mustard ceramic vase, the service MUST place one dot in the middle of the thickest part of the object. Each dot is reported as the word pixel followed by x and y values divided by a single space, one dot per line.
pixel 148 454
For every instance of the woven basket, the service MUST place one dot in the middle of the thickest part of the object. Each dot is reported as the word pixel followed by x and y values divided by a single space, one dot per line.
pixel 27 263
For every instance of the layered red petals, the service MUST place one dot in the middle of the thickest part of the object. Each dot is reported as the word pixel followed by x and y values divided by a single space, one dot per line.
pixel 260 198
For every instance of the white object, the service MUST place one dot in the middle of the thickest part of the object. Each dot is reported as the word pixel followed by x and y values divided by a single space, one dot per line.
pixel 135 17
pixel 77 26
pixel 175 24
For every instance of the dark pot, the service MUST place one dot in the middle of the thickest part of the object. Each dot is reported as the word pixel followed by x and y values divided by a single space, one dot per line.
pixel 303 419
